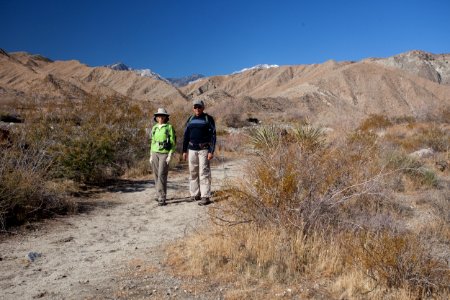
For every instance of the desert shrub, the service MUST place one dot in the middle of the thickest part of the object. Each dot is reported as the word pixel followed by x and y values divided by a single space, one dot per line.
pixel 91 141
pixel 411 167
pixel 410 120
pixel 434 137
pixel 425 136
pixel 375 122
pixel 232 141
pixel 445 115
pixel 88 141
pixel 400 261
pixel 325 214
pixel 289 186
pixel 24 192
pixel 233 120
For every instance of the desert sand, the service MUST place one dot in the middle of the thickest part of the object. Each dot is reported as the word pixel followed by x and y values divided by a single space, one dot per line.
pixel 113 249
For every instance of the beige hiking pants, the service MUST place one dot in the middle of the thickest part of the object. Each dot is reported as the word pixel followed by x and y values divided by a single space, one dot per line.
pixel 199 173
pixel 160 170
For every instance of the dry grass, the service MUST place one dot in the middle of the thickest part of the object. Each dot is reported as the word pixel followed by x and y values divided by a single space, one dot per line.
pixel 374 122
pixel 26 191
pixel 416 136
pixel 312 219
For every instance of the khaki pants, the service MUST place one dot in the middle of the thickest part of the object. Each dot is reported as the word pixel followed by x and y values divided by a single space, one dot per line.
pixel 160 169
pixel 199 174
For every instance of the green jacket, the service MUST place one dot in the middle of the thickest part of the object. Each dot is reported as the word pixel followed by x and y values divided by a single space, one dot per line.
pixel 163 140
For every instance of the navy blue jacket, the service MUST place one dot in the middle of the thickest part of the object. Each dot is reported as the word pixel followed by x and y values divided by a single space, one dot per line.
pixel 200 133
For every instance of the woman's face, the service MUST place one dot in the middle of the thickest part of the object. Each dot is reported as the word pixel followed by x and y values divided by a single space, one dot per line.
pixel 161 119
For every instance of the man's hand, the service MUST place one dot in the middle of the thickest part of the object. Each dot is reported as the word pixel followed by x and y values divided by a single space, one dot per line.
pixel 185 155
pixel 210 156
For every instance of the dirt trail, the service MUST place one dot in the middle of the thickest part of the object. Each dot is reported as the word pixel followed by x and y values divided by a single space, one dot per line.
pixel 93 254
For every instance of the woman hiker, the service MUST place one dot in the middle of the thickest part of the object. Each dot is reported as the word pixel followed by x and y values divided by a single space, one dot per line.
pixel 163 145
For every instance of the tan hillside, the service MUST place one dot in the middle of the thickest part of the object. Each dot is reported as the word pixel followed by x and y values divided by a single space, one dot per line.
pixel 434 67
pixel 25 75
pixel 333 92
pixel 415 84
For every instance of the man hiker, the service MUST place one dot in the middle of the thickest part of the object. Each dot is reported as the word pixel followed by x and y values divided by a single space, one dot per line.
pixel 163 144
pixel 200 140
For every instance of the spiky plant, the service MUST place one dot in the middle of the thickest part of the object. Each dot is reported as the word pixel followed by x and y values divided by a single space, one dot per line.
pixel 309 137
pixel 266 137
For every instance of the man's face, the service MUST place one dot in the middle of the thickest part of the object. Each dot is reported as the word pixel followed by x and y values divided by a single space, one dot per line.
pixel 198 110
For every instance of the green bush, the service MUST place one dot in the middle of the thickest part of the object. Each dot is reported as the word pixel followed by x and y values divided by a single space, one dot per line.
pixel 92 141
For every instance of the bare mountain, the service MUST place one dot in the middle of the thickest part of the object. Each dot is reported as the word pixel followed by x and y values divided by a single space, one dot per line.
pixel 333 93
pixel 434 67
pixel 141 72
pixel 30 76
pixel 410 84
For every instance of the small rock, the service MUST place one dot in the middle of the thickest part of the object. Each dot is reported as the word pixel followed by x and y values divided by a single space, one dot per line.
pixel 441 165
pixel 32 256
pixel 423 153
pixel 40 295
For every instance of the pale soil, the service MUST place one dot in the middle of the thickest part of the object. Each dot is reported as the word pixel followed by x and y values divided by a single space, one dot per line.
pixel 113 249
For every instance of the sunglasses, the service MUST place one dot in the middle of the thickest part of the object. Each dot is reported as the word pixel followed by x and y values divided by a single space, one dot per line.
pixel 197 106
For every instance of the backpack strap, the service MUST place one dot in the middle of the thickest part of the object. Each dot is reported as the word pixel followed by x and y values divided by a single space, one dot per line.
pixel 192 116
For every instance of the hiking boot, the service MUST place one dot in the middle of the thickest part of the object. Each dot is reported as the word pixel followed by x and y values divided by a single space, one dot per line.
pixel 162 202
pixel 194 198
pixel 204 201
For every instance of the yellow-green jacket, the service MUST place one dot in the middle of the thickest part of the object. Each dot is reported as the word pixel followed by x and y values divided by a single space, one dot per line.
pixel 163 140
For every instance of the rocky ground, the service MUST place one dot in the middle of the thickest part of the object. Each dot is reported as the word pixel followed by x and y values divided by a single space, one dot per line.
pixel 113 249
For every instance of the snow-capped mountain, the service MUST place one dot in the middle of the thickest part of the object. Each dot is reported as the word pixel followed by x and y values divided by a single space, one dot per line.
pixel 141 72
pixel 149 73
pixel 119 67
pixel 179 82
pixel 257 67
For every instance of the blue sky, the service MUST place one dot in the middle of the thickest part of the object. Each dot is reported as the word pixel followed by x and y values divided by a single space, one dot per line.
pixel 176 38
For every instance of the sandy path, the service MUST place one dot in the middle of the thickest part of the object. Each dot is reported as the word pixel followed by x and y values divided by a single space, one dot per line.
pixel 88 255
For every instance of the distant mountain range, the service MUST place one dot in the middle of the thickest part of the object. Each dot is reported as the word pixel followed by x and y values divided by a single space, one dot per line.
pixel 141 72
pixel 178 82
pixel 414 83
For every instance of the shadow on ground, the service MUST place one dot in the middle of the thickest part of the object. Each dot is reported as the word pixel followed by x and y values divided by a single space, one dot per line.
pixel 113 186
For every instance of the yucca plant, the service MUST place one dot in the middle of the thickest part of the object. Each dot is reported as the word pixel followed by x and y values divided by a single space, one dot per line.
pixel 266 137
pixel 412 168
pixel 310 138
